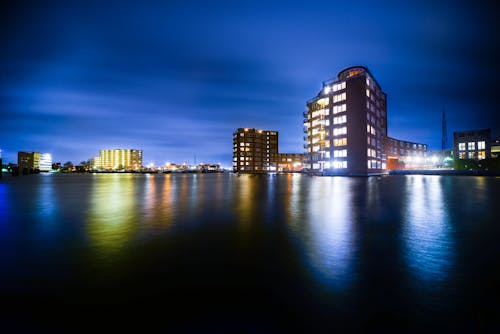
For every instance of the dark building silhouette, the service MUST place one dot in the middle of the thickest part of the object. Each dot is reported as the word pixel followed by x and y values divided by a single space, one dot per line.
pixel 255 151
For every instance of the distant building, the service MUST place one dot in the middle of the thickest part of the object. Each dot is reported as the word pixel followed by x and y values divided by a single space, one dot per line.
pixel 474 144
pixel 32 162
pixel 118 159
pixel 404 154
pixel 290 162
pixel 345 127
pixel 255 151
pixel 45 162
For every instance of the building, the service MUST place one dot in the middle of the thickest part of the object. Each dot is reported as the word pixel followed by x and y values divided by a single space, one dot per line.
pixel 255 151
pixel 118 159
pixel 45 162
pixel 403 154
pixel 33 162
pixel 290 162
pixel 474 144
pixel 345 127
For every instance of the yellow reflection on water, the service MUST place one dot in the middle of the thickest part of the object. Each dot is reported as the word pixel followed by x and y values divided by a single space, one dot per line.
pixel 112 216
pixel 245 198
pixel 426 229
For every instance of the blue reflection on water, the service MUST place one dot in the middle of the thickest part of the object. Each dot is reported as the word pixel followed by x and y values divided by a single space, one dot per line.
pixel 428 244
pixel 4 208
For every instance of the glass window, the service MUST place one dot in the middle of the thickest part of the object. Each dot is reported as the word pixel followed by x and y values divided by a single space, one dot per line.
pixel 461 146
pixel 471 145
pixel 481 145
pixel 481 155
pixel 470 155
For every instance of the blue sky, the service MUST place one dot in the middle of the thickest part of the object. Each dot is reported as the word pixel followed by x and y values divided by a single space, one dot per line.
pixel 176 78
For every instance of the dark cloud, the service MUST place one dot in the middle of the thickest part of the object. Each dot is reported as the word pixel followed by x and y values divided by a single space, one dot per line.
pixel 176 78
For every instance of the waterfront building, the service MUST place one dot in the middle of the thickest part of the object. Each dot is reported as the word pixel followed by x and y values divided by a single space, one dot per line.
pixel 32 162
pixel 45 162
pixel 290 162
pixel 118 159
pixel 255 151
pixel 473 144
pixel 345 127
pixel 403 154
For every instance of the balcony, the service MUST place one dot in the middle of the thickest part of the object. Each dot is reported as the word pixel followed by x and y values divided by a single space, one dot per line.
pixel 305 137
pixel 305 145
pixel 305 113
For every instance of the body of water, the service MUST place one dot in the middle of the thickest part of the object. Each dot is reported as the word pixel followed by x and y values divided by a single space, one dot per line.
pixel 228 253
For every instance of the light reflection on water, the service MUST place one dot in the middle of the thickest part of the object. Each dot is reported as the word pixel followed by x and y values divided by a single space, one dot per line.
pixel 333 227
pixel 327 230
pixel 427 233
pixel 112 217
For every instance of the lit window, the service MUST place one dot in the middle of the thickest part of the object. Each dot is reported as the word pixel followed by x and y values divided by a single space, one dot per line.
pixel 340 119
pixel 339 131
pixel 461 146
pixel 327 154
pixel 470 155
pixel 481 145
pixel 339 153
pixel 367 92
pixel 461 155
pixel 481 154
pixel 471 145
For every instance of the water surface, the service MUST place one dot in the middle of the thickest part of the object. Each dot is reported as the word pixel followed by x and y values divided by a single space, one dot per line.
pixel 221 252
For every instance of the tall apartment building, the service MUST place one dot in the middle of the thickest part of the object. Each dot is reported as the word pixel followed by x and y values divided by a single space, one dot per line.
pixel 255 151
pixel 118 159
pixel 474 144
pixel 345 126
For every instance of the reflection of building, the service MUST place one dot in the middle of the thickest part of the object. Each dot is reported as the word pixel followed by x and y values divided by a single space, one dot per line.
pixel 30 162
pixel 118 159
pixel 346 126
pixel 473 144
pixel 255 151
pixel 292 162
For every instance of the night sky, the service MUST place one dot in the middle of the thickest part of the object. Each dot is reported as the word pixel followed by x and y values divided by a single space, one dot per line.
pixel 176 78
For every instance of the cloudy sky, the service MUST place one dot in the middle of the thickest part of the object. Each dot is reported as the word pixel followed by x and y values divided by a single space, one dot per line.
pixel 176 78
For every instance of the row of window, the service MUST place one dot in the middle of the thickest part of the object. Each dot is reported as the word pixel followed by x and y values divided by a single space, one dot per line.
pixel 481 145
pixel 375 164
pixel 340 142
pixel 472 155
pixel 339 97
pixel 335 87
pixel 372 153
pixel 339 153
pixel 340 119
pixel 340 131
pixel 371 129
pixel 339 108
pixel 320 112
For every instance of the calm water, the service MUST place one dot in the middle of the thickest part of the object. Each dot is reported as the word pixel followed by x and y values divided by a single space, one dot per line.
pixel 222 253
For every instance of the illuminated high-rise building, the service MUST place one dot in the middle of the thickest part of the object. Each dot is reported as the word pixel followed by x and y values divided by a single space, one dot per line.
pixel 118 159
pixel 345 127
pixel 255 151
